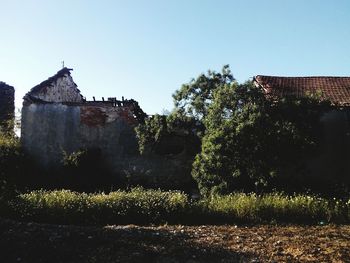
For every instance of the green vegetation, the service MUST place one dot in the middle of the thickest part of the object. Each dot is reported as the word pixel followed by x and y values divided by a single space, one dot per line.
pixel 194 98
pixel 12 162
pixel 168 145
pixel 241 140
pixel 243 150
pixel 277 207
pixel 79 170
pixel 141 206
pixel 171 134
pixel 119 207
pixel 256 144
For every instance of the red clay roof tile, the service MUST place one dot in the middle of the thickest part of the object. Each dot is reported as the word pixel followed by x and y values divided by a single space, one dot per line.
pixel 335 89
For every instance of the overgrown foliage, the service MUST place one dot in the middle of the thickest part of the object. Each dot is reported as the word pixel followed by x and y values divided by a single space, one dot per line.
pixel 17 171
pixel 84 170
pixel 138 113
pixel 248 141
pixel 172 134
pixel 179 134
pixel 191 101
pixel 254 143
pixel 168 145
pixel 12 163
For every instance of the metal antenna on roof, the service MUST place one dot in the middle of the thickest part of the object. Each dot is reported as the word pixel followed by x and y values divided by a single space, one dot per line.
pixel 63 64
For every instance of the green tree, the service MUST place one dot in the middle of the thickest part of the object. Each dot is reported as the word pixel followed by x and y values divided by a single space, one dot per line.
pixel 186 120
pixel 194 98
pixel 252 142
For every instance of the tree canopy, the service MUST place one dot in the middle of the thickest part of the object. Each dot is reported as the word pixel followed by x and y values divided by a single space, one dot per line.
pixel 194 98
pixel 252 142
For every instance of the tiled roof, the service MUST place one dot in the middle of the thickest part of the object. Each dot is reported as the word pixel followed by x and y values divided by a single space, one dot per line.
pixel 335 89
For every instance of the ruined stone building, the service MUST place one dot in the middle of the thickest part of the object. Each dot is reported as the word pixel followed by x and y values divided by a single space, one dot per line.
pixel 7 107
pixel 56 118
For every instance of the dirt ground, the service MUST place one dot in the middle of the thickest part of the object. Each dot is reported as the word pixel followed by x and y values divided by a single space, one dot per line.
pixel 32 242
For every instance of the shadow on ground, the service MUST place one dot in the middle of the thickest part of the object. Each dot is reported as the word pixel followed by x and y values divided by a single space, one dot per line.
pixel 31 242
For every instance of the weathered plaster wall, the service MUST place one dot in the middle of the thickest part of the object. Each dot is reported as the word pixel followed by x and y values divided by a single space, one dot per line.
pixel 56 119
pixel 48 129
pixel 7 105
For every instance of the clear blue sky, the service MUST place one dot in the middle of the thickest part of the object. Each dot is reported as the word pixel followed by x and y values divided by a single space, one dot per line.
pixel 146 49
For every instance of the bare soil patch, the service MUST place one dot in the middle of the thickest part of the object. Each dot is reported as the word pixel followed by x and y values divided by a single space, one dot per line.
pixel 32 242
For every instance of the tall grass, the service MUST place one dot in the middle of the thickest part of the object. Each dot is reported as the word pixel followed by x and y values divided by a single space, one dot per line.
pixel 277 207
pixel 119 207
pixel 140 206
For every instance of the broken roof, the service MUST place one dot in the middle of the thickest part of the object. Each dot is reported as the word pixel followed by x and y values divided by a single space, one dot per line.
pixel 334 89
pixel 52 79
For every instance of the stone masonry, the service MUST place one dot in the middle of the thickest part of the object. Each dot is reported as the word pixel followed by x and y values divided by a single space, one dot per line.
pixel 56 118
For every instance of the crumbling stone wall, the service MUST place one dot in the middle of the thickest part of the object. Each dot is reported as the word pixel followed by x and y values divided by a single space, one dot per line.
pixel 57 119
pixel 7 106
pixel 48 130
